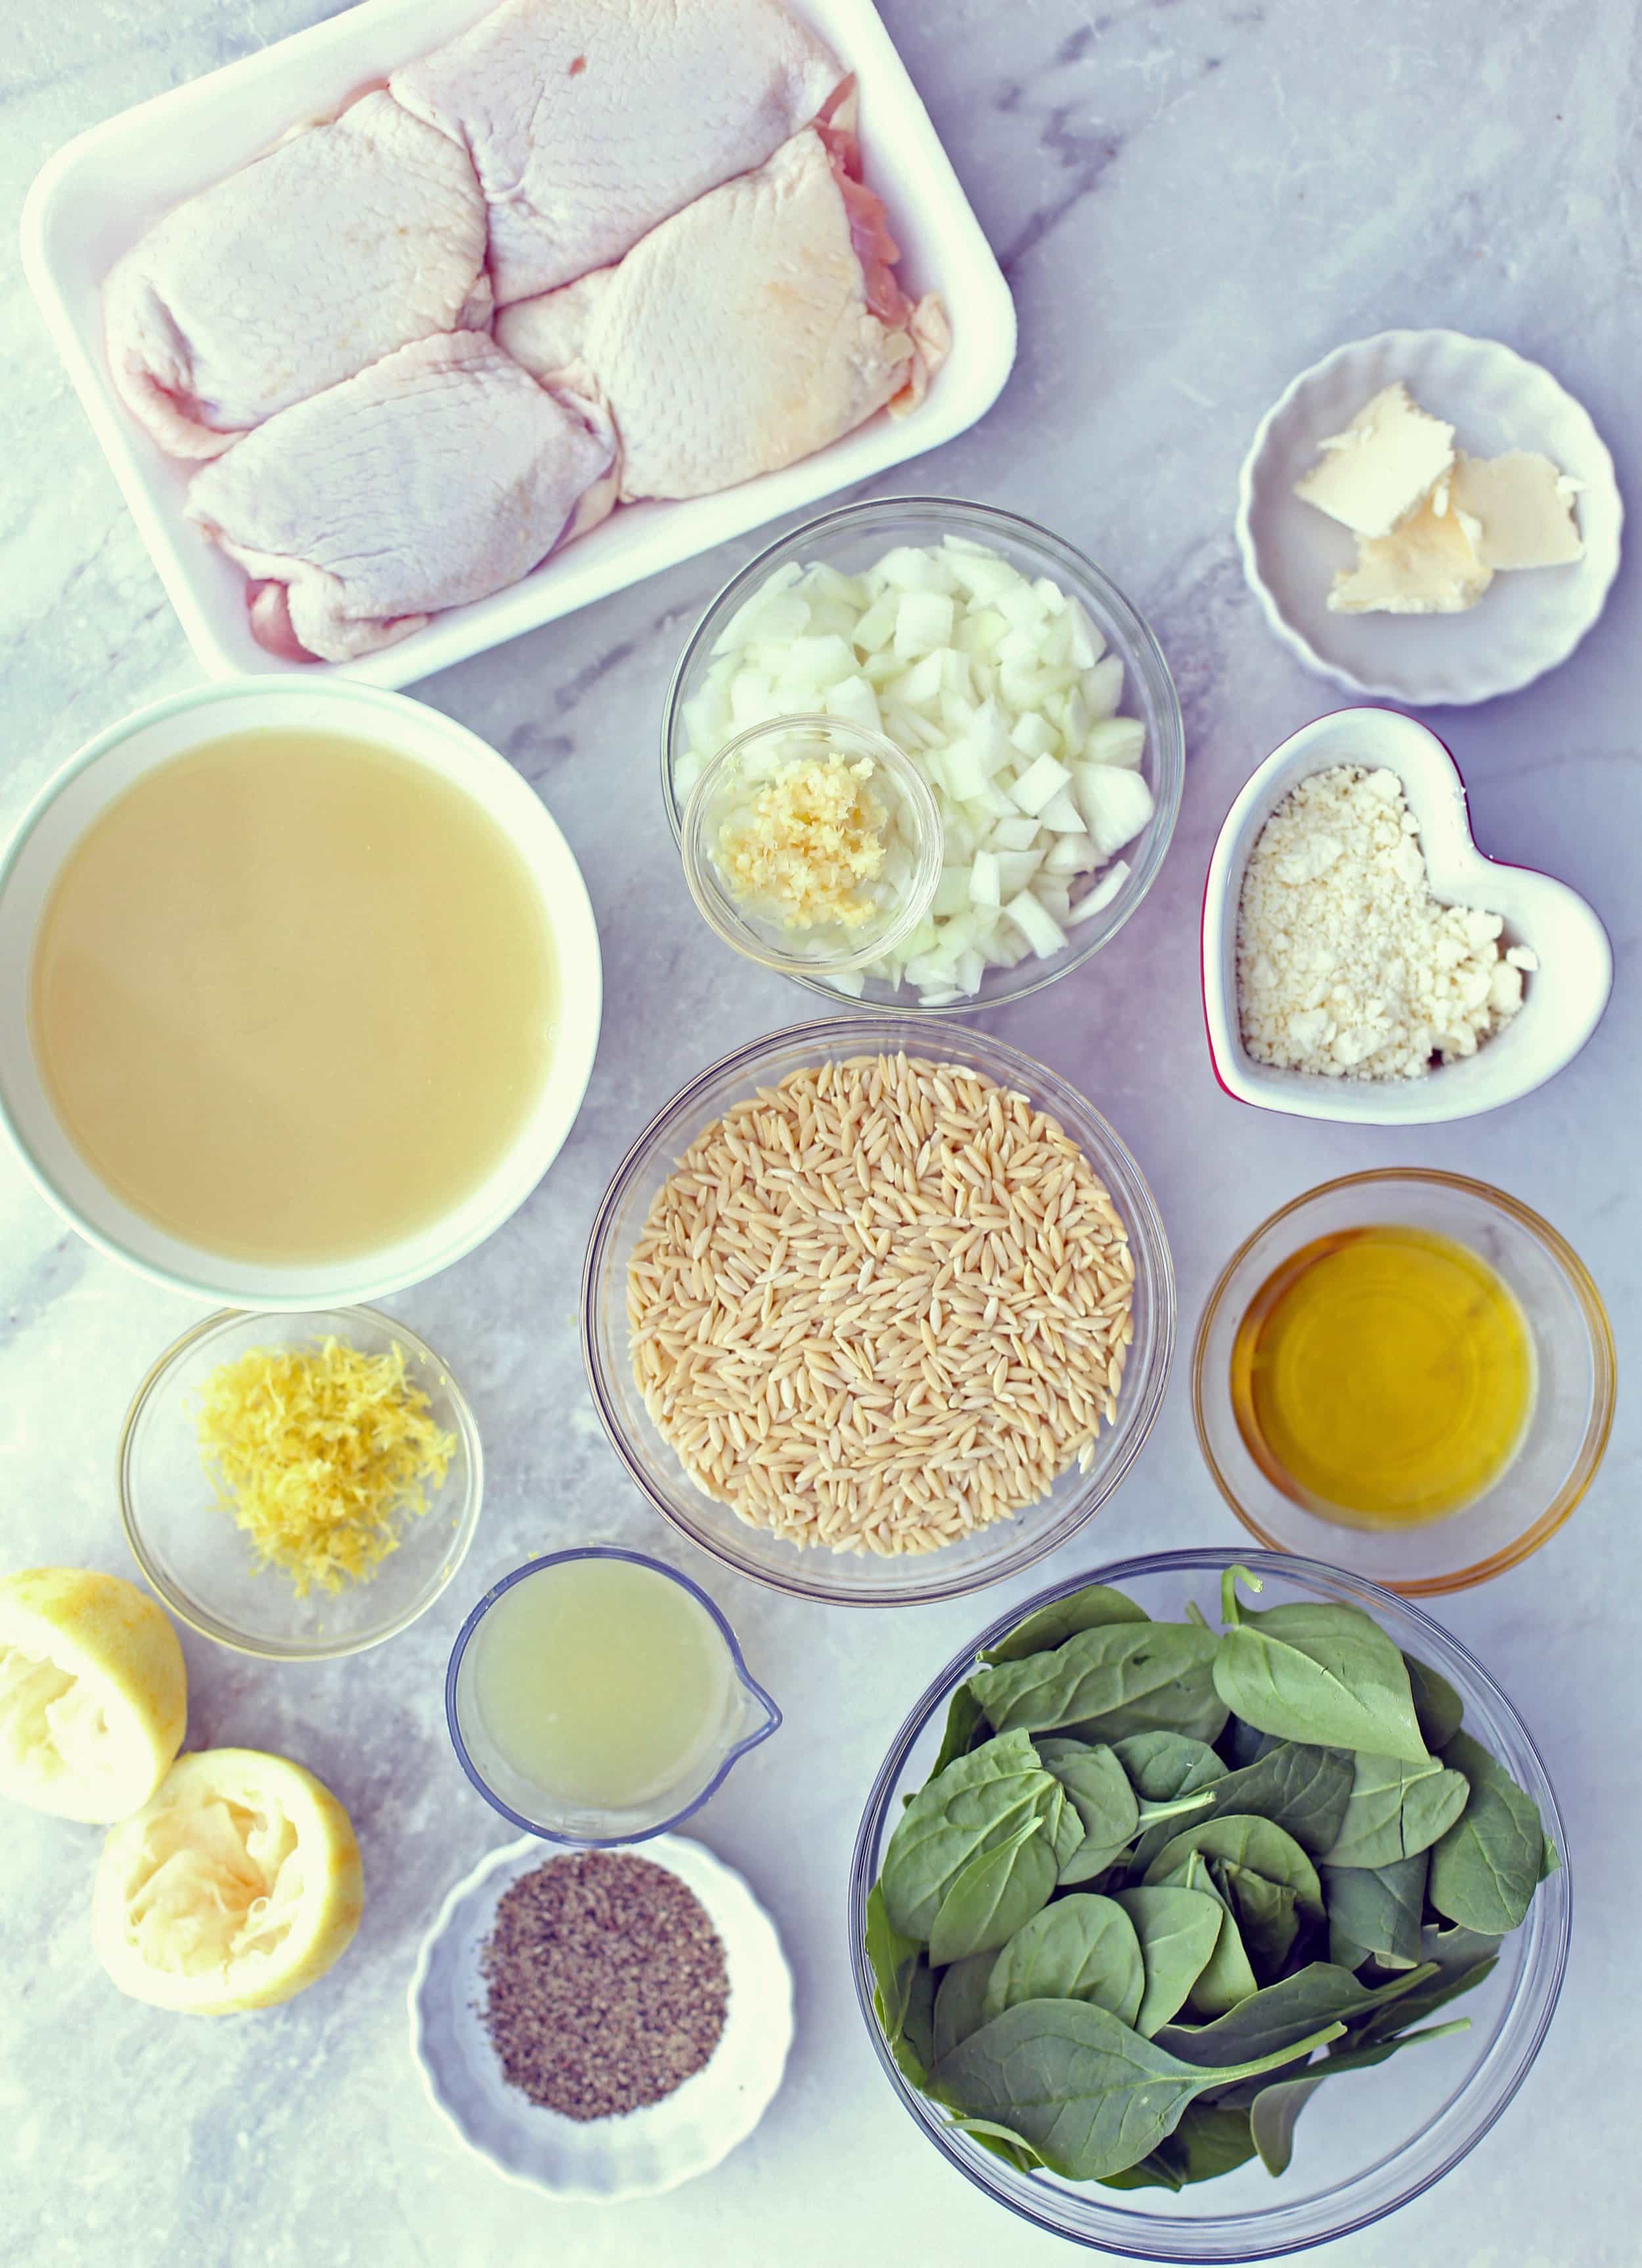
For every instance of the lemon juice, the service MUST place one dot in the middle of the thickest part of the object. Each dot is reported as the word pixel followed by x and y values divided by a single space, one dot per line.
pixel 601 1684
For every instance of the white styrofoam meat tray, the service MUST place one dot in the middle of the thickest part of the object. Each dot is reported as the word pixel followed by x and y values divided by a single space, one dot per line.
pixel 100 192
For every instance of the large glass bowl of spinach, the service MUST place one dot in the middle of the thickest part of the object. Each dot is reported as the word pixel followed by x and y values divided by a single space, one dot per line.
pixel 1037 1955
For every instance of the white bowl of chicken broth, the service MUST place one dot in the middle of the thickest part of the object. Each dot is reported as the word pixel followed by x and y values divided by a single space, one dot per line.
pixel 300 991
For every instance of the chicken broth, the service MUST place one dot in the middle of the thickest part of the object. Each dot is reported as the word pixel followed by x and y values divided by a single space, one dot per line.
pixel 292 996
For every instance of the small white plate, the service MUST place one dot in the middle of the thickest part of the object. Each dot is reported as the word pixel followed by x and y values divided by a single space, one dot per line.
pixel 1525 623
pixel 601 2161
pixel 1563 1000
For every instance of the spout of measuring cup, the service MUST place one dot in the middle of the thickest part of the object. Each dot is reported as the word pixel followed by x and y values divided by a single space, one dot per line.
pixel 759 1716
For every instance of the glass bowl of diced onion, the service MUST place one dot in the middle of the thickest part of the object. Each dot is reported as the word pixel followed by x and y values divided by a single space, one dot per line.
pixel 1012 672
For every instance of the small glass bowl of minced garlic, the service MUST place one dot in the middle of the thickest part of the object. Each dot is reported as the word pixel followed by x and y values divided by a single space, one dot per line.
pixel 812 844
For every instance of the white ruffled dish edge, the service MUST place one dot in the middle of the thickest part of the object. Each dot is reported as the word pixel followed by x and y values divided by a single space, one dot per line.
pixel 1525 623
pixel 648 2151
pixel 1563 1001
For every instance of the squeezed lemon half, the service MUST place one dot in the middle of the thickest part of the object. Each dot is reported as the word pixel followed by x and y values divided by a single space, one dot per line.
pixel 93 1694
pixel 237 1886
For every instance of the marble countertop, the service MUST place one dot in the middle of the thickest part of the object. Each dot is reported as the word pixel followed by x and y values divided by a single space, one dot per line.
pixel 1192 201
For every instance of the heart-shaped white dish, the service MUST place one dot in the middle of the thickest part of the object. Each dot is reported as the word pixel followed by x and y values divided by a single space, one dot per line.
pixel 1563 1001
pixel 602 2161
pixel 1525 623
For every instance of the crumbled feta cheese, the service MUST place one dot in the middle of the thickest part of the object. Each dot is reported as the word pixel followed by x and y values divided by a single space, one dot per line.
pixel 1347 967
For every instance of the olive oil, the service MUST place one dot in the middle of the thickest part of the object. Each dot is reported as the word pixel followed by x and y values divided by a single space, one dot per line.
pixel 293 995
pixel 1384 1377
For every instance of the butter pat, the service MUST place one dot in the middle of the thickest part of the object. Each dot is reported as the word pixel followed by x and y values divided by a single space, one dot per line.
pixel 1523 508
pixel 1382 468
pixel 1430 565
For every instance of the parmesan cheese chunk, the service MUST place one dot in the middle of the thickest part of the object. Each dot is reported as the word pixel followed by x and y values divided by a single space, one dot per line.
pixel 1523 508
pixel 1427 566
pixel 1381 469
pixel 1347 967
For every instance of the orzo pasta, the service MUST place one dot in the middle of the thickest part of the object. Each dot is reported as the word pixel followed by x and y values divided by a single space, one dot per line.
pixel 880 1305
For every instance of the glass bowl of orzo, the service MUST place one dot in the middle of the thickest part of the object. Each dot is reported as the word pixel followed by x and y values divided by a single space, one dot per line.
pixel 876 1317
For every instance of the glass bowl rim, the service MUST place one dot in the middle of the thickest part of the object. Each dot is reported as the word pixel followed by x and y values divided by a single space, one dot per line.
pixel 1142 650
pixel 1599 1426
pixel 199 1619
pixel 916 795
pixel 749 1683
pixel 1303 1572
pixel 1143 1220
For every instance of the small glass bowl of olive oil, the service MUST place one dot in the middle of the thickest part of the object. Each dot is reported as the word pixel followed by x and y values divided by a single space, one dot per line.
pixel 595 1697
pixel 1407 1373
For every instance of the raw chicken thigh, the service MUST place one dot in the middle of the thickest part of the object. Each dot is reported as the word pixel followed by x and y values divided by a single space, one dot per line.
pixel 348 240
pixel 590 121
pixel 438 475
pixel 746 332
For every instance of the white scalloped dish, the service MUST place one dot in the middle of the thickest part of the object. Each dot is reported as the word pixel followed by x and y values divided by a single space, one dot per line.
pixel 1526 623
pixel 1563 1000
pixel 603 2160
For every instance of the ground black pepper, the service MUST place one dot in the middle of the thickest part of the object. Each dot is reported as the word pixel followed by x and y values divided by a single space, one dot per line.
pixel 606 1984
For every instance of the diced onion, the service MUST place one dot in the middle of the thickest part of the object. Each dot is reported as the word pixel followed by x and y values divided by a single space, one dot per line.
pixel 1000 690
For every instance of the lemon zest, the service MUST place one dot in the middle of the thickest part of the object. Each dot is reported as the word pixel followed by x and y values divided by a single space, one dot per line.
pixel 323 1455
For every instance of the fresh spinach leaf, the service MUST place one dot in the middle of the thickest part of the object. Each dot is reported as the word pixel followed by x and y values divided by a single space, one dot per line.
pixel 1065 1829
pixel 1437 1705
pixel 1395 1810
pixel 1248 1841
pixel 1213 2138
pixel 1455 1977
pixel 1344 1951
pixel 1164 1765
pixel 1245 1744
pixel 1266 1914
pixel 978 1800
pixel 1003 2143
pixel 1082 1947
pixel 1166 1769
pixel 1099 1791
pixel 1279 2014
pixel 1484 1870
pixel 1089 1609
pixel 1275 2109
pixel 1177 1930
pixel 915 2049
pixel 1453 1949
pixel 1000 1888
pixel 1318 1672
pixel 963 1721
pixel 1151 2172
pixel 1227 1976
pixel 1302 1789
pixel 1088 2093
pixel 892 1957
pixel 1097 1679
pixel 958 1998
pixel 1379 1907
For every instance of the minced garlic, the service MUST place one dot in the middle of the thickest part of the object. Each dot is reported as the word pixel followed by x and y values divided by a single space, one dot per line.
pixel 805 842
pixel 320 1454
